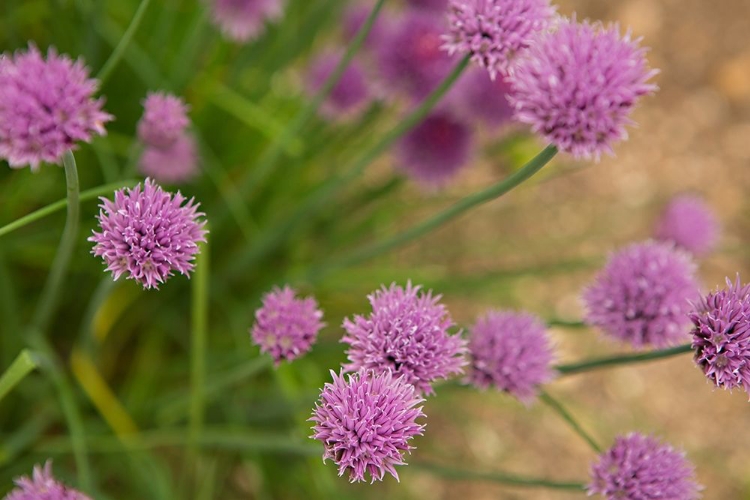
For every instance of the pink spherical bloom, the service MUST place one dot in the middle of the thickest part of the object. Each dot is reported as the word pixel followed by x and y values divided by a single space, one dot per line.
pixel 639 467
pixel 43 486
pixel 407 334
pixel 478 97
pixel 493 32
pixel 436 149
pixel 148 233
pixel 366 421
pixel 577 85
pixel 348 95
pixel 172 164
pixel 46 106
pixel 643 294
pixel 241 20
pixel 689 223
pixel 285 326
pixel 510 351
pixel 411 59
pixel 721 335
pixel 164 120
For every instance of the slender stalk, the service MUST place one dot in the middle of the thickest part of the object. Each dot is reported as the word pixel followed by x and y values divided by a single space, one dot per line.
pixel 51 291
pixel 623 359
pixel 498 477
pixel 325 193
pixel 491 193
pixel 566 323
pixel 560 410
pixel 87 195
pixel 119 50
pixel 272 154
pixel 24 364
pixel 199 328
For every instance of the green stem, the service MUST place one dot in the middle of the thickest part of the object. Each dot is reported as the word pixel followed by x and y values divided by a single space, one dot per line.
pixel 199 328
pixel 491 193
pixel 51 291
pixel 498 477
pixel 325 193
pixel 563 323
pixel 624 359
pixel 560 410
pixel 24 363
pixel 272 154
pixel 119 50
pixel 87 195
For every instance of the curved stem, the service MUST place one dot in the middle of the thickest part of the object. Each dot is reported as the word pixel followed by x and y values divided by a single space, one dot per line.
pixel 441 218
pixel 325 192
pixel 24 364
pixel 560 410
pixel 623 359
pixel 50 293
pixel 498 477
pixel 87 195
pixel 119 50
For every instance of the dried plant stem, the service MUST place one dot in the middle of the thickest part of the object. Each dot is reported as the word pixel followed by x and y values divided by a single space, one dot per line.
pixel 623 359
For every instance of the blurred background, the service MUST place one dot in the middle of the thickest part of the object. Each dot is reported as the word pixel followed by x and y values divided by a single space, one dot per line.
pixel 534 249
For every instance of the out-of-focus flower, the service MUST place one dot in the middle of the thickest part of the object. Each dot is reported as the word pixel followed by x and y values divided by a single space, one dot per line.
pixel 242 20
pixel 148 233
pixel 365 421
pixel 437 6
pixel 494 31
pixel 689 223
pixel 510 351
pixel 576 86
pixel 43 486
pixel 164 120
pixel 285 326
pixel 478 97
pixel 173 164
pixel 46 106
pixel 354 18
pixel 411 59
pixel 643 294
pixel 436 149
pixel 406 333
pixel 639 467
pixel 721 335
pixel 349 93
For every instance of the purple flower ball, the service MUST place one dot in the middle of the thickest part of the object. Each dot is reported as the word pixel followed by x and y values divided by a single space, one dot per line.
pixel 173 164
pixel 411 59
pixel 721 335
pixel 365 421
pixel 436 149
pixel 148 233
pixel 43 486
pixel 348 95
pixel 478 97
pixel 46 106
pixel 689 223
pixel 164 120
pixel 494 31
pixel 577 85
pixel 639 467
pixel 285 326
pixel 643 294
pixel 510 351
pixel 242 20
pixel 437 6
pixel 406 333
